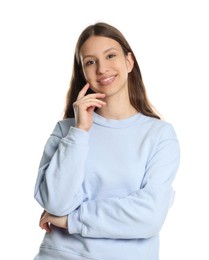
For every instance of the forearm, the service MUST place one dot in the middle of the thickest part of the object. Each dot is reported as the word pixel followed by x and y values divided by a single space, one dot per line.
pixel 59 183
pixel 140 215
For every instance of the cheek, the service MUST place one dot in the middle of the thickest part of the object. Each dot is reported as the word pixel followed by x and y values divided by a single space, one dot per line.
pixel 90 80
pixel 122 66
pixel 88 75
pixel 84 73
pixel 125 69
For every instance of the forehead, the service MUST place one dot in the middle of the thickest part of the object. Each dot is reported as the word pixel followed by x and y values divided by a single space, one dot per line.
pixel 98 44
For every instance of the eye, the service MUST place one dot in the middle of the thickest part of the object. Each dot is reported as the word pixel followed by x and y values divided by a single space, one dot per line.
pixel 90 62
pixel 111 56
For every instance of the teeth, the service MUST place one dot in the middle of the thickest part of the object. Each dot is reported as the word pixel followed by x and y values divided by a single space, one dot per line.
pixel 105 80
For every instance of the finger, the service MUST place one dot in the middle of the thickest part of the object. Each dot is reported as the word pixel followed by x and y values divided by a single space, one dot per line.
pixel 91 100
pixel 43 213
pixel 46 227
pixel 94 96
pixel 90 103
pixel 83 91
pixel 91 109
pixel 45 223
pixel 42 222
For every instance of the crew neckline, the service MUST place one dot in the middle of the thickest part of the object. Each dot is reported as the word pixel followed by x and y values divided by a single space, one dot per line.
pixel 116 123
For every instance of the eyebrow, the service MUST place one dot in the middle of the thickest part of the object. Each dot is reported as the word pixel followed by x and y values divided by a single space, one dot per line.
pixel 90 55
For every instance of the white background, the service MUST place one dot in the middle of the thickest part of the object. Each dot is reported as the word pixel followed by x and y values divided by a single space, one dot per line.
pixel 170 40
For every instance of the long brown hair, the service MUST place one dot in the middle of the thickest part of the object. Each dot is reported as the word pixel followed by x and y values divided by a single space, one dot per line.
pixel 136 88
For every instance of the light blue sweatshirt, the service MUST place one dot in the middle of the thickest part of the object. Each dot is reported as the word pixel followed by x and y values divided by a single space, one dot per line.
pixel 114 183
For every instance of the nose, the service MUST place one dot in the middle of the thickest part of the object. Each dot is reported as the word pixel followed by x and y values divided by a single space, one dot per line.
pixel 102 67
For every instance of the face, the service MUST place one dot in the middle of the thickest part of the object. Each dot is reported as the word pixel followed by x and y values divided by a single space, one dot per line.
pixel 105 65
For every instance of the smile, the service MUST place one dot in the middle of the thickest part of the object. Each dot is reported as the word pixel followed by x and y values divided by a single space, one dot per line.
pixel 107 80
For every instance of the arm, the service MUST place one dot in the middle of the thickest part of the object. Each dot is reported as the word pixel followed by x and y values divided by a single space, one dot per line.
pixel 58 186
pixel 142 213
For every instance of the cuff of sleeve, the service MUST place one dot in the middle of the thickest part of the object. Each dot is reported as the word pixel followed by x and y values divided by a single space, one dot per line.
pixel 74 223
pixel 77 136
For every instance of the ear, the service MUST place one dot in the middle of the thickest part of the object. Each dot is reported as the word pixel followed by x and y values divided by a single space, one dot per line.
pixel 129 62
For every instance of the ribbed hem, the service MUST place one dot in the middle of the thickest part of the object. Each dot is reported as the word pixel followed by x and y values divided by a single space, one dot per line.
pixel 74 223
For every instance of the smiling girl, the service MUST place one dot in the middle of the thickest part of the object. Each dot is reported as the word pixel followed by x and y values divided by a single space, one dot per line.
pixel 105 177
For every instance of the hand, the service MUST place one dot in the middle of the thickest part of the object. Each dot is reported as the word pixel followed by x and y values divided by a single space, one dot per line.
pixel 84 107
pixel 47 219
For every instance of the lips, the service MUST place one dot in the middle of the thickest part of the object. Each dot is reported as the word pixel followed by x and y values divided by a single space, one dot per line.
pixel 106 80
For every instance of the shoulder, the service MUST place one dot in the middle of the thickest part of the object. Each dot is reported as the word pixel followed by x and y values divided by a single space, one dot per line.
pixel 159 128
pixel 62 127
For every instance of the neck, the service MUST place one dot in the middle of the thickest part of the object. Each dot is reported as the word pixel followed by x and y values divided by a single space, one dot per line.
pixel 117 109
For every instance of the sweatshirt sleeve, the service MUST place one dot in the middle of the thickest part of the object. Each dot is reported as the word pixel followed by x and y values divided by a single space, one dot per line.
pixel 58 187
pixel 142 213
